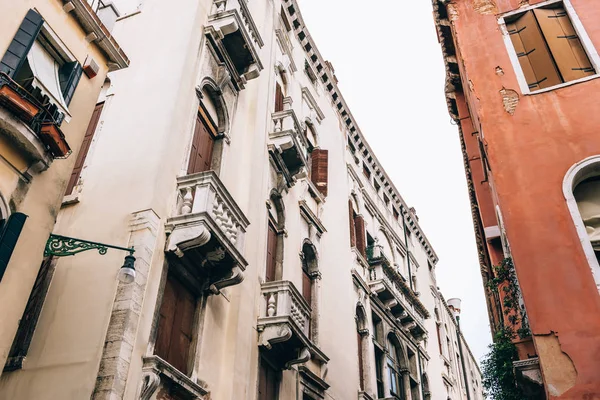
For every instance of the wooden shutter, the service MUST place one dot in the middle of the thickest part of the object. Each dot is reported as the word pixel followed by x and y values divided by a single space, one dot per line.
pixel 69 76
pixel 306 287
pixel 268 382
pixel 175 325
pixel 361 375
pixel 534 56
pixel 319 169
pixel 278 98
pixel 85 147
pixel 17 51
pixel 361 244
pixel 352 227
pixel 202 147
pixel 437 330
pixel 565 45
pixel 271 254
pixel 30 317
pixel 9 237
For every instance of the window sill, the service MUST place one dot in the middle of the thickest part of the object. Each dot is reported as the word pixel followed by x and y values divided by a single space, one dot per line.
pixel 562 85
pixel 72 198
pixel 164 371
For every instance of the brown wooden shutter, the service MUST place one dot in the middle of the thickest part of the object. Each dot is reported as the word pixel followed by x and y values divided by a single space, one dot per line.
pixel 175 325
pixel 565 45
pixel 271 254
pixel 278 98
pixel 306 287
pixel 319 169
pixel 85 147
pixel 31 315
pixel 534 56
pixel 352 227
pixel 437 330
pixel 361 244
pixel 361 375
pixel 202 147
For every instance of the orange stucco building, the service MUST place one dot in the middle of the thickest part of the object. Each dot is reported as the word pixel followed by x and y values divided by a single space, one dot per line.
pixel 522 87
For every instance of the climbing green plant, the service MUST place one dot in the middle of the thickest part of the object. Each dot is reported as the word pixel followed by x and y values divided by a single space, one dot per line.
pixel 499 380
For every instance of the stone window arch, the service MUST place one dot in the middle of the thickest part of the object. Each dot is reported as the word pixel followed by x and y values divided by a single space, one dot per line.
pixel 581 189
pixel 276 236
pixel 362 336
pixel 310 289
pixel 397 368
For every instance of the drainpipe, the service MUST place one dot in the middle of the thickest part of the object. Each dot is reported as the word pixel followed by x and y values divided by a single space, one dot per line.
pixel 454 305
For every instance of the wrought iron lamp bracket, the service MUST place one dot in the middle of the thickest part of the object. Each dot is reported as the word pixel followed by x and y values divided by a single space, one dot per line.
pixel 63 246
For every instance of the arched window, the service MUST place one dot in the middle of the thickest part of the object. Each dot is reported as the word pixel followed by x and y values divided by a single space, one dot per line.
pixel 394 378
pixel 581 188
pixel 205 133
pixel 310 271
pixel 361 337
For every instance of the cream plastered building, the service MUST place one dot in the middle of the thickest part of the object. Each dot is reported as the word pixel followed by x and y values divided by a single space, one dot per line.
pixel 54 57
pixel 275 259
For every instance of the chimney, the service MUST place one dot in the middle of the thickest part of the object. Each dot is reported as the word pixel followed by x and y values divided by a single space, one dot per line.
pixel 108 14
pixel 454 306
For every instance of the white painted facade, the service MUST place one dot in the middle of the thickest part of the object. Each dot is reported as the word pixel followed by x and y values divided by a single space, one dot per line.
pixel 96 337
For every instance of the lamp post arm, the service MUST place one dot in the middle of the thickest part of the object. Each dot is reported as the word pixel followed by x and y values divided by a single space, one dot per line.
pixel 64 246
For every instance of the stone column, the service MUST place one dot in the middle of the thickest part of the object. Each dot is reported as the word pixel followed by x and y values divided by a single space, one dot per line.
pixel 406 383
pixel 125 316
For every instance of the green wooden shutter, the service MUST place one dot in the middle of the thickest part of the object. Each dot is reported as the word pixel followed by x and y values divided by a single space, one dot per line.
pixel 17 51
pixel 69 76
pixel 9 237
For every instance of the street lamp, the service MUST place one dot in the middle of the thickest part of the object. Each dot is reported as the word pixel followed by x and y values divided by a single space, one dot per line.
pixel 454 306
pixel 64 246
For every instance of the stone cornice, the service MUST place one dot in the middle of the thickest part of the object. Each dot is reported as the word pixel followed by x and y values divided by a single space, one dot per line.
pixel 326 75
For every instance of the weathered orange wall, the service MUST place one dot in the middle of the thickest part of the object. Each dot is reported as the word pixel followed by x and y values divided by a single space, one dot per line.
pixel 530 153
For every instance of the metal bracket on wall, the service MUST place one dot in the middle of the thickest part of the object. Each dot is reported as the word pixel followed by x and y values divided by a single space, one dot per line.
pixel 63 246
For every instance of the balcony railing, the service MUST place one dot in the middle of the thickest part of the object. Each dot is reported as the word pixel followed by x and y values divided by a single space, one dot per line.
pixel 207 231
pixel 288 145
pixel 394 291
pixel 34 128
pixel 231 29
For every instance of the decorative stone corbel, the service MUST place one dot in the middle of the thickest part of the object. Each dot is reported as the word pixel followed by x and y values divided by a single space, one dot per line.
pixel 187 237
pixel 273 334
pixel 237 276
pixel 303 357
pixel 150 382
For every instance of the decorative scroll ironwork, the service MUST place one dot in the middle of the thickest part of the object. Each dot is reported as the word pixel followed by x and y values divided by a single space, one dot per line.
pixel 63 246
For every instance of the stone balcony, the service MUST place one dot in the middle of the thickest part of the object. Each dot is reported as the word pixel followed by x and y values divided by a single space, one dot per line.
pixel 232 33
pixel 288 146
pixel 395 294
pixel 284 324
pixel 206 234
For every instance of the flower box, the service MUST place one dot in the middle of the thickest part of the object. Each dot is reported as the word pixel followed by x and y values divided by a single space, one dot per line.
pixel 12 100
pixel 53 138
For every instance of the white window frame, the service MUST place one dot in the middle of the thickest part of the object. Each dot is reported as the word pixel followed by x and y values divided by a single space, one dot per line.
pixel 586 42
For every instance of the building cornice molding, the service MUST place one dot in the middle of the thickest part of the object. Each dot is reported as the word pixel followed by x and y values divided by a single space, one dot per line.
pixel 326 75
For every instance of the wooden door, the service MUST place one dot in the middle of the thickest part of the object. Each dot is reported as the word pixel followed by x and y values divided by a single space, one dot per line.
pixel 268 381
pixel 278 98
pixel 271 254
pixel 306 286
pixel 85 147
pixel 175 325
pixel 202 147
pixel 361 376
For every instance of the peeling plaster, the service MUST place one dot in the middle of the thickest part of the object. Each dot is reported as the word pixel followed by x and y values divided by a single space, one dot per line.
pixel 499 71
pixel 523 3
pixel 557 367
pixel 486 7
pixel 510 99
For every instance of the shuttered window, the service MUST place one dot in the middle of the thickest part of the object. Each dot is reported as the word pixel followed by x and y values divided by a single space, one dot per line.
pixel 319 172
pixel 84 149
pixel 16 55
pixel 361 373
pixel 361 243
pixel 271 253
pixel 278 98
pixel 306 285
pixel 30 317
pixel 175 325
pixel 9 235
pixel 268 381
pixel 202 145
pixel 548 48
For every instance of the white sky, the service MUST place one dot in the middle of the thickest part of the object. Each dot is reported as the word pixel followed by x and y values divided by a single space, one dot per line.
pixel 391 73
